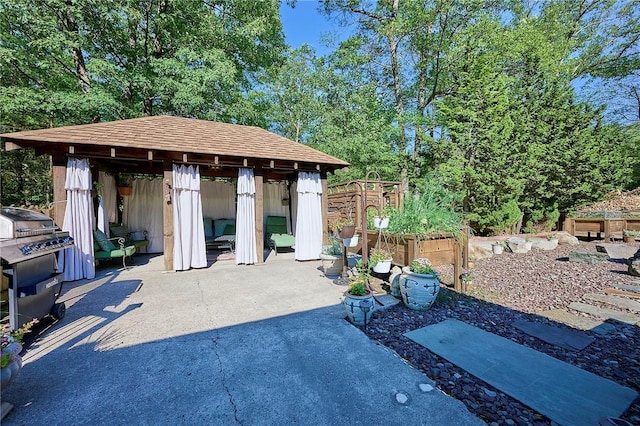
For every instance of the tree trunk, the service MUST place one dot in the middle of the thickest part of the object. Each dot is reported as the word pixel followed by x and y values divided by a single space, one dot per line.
pixel 71 26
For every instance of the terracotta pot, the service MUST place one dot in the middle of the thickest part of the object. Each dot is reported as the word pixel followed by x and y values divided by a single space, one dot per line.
pixel 629 239
pixel 347 231
pixel 124 191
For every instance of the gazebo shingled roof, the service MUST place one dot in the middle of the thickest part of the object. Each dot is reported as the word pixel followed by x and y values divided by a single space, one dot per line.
pixel 176 134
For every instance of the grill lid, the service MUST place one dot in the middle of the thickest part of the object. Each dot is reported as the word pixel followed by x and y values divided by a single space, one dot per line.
pixel 17 223
pixel 26 234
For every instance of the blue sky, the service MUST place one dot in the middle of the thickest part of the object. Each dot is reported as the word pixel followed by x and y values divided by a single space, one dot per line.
pixel 304 24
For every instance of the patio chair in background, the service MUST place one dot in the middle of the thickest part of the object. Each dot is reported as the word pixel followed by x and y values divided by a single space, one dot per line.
pixel 138 239
pixel 105 249
pixel 277 234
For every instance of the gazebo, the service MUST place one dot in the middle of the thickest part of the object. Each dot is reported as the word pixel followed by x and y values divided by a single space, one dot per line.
pixel 155 146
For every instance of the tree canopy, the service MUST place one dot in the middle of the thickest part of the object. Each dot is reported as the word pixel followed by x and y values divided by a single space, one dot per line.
pixel 521 109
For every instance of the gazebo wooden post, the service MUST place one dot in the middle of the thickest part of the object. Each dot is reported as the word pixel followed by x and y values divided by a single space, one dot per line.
pixel 259 180
pixel 325 208
pixel 59 193
pixel 167 214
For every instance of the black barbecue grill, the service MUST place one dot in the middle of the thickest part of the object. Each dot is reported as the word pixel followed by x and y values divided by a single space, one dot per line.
pixel 29 241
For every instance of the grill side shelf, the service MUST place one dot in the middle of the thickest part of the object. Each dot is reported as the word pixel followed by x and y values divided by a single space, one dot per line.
pixel 19 250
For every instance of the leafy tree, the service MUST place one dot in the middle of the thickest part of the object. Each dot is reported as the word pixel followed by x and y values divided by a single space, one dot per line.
pixel 330 104
pixel 94 60
pixel 70 62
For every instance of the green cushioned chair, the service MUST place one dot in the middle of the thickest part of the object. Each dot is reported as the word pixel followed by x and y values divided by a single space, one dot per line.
pixel 138 239
pixel 105 249
pixel 277 235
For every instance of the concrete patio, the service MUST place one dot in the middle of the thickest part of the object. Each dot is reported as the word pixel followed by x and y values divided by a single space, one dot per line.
pixel 228 344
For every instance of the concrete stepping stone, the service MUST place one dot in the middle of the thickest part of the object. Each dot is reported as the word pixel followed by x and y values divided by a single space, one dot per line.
pixel 619 292
pixel 579 322
pixel 564 337
pixel 604 312
pixel 564 393
pixel 588 257
pixel 632 288
pixel 616 251
pixel 620 302
pixel 387 301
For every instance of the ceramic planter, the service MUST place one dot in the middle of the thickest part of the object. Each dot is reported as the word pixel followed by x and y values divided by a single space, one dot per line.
pixel 331 264
pixel 418 291
pixel 381 222
pixel 382 267
pixel 352 305
pixel 629 239
pixel 351 242
pixel 11 370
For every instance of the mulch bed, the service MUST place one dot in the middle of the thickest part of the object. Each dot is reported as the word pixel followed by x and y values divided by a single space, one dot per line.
pixel 507 288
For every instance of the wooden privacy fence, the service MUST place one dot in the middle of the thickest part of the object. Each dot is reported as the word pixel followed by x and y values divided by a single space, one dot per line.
pixel 345 199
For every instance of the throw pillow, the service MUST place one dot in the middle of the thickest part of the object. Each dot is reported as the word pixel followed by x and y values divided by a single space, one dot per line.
pixel 230 229
pixel 103 241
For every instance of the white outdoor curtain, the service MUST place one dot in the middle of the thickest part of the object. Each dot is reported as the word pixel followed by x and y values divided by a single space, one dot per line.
pixel 294 206
pixel 273 195
pixel 189 250
pixel 309 223
pixel 143 211
pixel 78 261
pixel 107 201
pixel 246 246
pixel 218 199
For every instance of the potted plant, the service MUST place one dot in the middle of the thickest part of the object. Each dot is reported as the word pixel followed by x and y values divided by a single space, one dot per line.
pixel 351 241
pixel 630 236
pixel 380 260
pixel 467 280
pixel 381 221
pixel 419 284
pixel 10 345
pixel 331 258
pixel 124 184
pixel 348 229
pixel 497 247
pixel 358 300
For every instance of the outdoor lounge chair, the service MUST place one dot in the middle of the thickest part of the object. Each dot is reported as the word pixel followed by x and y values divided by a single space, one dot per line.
pixel 277 234
pixel 105 249
pixel 219 233
pixel 139 239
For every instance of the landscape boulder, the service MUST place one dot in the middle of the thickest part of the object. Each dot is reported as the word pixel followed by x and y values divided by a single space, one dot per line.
pixel 634 264
pixel 516 245
pixel 565 238
pixel 544 244
pixel 479 250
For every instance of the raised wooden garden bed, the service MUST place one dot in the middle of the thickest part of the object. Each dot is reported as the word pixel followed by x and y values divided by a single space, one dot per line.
pixel 600 227
pixel 439 249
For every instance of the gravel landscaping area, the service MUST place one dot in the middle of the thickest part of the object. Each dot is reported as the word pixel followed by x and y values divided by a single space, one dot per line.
pixel 507 288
